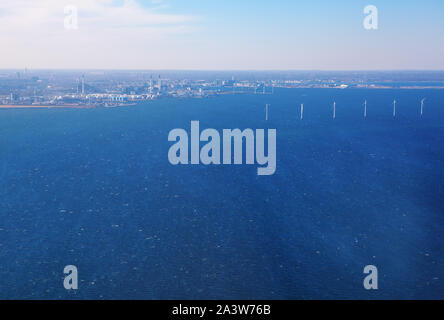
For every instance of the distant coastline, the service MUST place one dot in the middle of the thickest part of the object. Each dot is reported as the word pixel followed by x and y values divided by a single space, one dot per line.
pixel 18 106
pixel 12 106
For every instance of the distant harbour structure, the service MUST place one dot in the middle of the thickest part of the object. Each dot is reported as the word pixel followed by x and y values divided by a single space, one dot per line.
pixel 83 85
pixel 159 83
pixel 150 84
pixel 260 89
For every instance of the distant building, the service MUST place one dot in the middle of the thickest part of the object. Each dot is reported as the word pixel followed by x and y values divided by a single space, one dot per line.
pixel 14 97
pixel 159 84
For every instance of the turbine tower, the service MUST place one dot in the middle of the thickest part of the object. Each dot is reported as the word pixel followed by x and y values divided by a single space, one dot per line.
pixel 422 107
pixel 266 111
pixel 302 111
pixel 365 109
pixel 83 85
pixel 334 110
pixel 394 108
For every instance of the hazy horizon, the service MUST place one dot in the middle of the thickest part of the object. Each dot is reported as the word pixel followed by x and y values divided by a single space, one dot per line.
pixel 224 70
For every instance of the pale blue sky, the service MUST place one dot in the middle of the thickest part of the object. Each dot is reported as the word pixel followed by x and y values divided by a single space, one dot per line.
pixel 229 34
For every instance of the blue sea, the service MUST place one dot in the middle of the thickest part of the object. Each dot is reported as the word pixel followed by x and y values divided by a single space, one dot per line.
pixel 94 188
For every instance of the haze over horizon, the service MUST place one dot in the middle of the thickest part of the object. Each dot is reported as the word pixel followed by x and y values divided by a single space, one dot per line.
pixel 232 35
pixel 221 70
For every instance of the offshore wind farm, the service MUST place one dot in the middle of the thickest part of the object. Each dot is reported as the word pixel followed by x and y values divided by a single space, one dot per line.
pixel 421 112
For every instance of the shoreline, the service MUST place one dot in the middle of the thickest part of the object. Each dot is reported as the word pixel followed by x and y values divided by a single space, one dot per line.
pixel 13 106
pixel 65 106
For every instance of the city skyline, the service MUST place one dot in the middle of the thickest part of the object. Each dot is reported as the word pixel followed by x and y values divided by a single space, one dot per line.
pixel 211 35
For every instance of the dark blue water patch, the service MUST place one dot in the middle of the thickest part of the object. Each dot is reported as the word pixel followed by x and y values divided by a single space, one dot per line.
pixel 94 188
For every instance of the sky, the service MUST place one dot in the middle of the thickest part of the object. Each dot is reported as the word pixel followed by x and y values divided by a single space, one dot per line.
pixel 221 35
